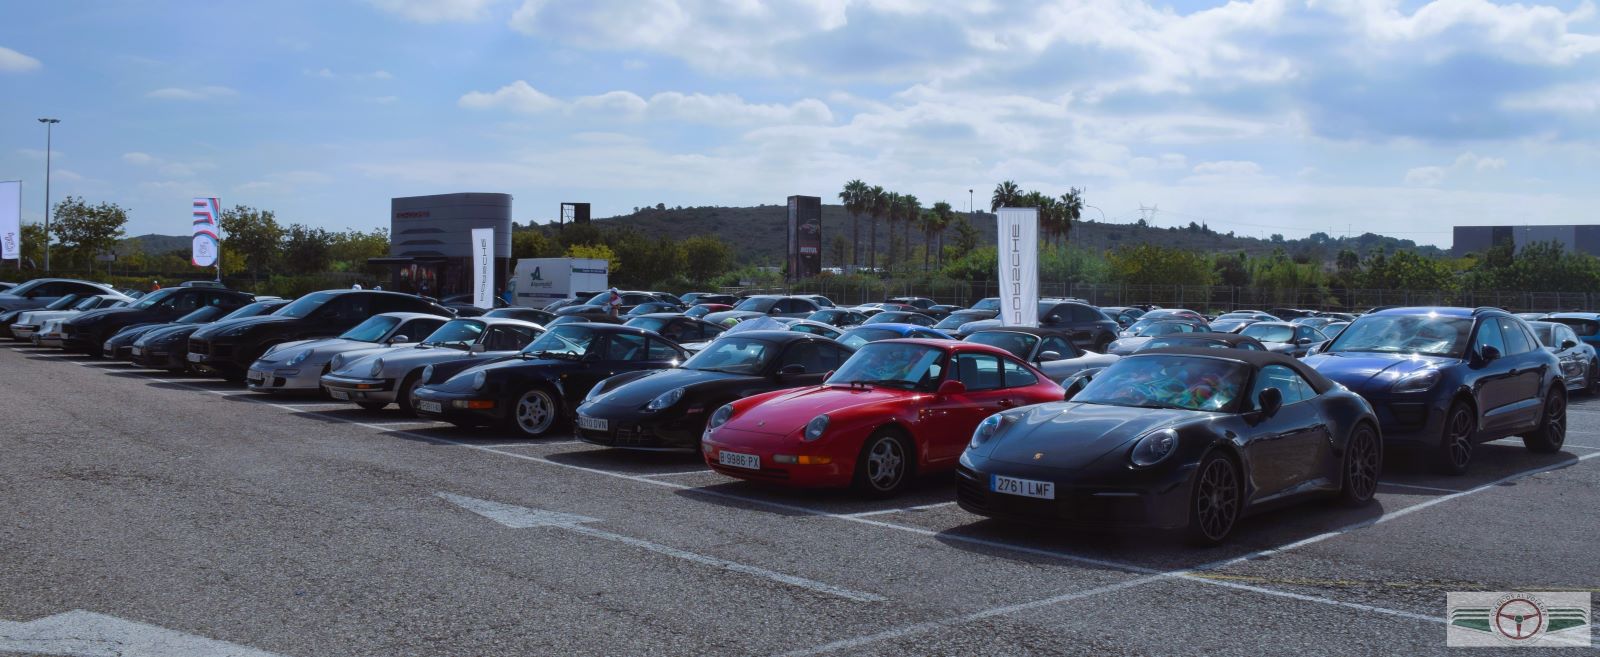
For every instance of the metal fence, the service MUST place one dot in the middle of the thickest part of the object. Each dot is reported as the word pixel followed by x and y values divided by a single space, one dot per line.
pixel 1198 297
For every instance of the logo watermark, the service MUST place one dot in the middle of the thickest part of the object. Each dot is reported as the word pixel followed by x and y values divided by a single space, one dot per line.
pixel 1518 619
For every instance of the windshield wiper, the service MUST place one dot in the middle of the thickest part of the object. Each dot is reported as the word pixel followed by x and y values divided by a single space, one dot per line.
pixel 887 383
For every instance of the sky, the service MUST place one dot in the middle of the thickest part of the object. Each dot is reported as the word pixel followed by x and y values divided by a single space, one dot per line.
pixel 1274 116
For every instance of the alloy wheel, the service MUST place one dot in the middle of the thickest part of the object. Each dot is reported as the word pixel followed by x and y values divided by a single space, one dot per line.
pixel 1460 438
pixel 1364 463
pixel 1217 499
pixel 886 464
pixel 535 412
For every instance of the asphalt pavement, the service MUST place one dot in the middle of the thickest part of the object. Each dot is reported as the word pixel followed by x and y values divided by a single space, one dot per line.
pixel 142 513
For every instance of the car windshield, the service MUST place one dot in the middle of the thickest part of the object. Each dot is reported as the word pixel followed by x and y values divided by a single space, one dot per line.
pixel 456 333
pixel 205 314
pixel 257 308
pixel 1019 344
pixel 1192 383
pixel 1163 328
pixel 890 317
pixel 697 312
pixel 992 303
pixel 63 303
pixel 956 319
pixel 154 298
pixel 814 329
pixel 371 330
pixel 648 323
pixel 1583 327
pixel 757 304
pixel 88 303
pixel 1160 343
pixel 568 341
pixel 855 338
pixel 893 365
pixel 1546 333
pixel 1269 332
pixel 1430 335
pixel 643 309
pixel 734 355
pixel 304 305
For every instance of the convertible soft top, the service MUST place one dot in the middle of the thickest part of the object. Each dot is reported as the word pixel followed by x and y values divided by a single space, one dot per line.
pixel 1255 359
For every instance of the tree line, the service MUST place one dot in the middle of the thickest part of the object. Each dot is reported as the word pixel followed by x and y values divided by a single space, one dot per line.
pixel 635 261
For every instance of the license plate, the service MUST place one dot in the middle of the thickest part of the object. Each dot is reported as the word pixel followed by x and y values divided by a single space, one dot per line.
pixel 737 460
pixel 256 377
pixel 136 351
pixel 1044 490
pixel 430 407
pixel 339 395
pixel 593 424
pixel 196 358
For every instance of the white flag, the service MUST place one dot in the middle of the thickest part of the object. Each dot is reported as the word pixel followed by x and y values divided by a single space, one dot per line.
pixel 1019 266
pixel 207 236
pixel 11 220
pixel 483 267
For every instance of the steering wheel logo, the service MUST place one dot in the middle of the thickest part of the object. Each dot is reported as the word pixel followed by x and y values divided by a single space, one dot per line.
pixel 1519 618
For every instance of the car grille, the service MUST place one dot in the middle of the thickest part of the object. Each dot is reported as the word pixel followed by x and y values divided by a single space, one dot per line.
pixel 1080 507
pixel 970 492
pixel 210 348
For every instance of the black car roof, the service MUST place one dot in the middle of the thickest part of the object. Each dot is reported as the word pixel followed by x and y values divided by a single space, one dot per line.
pixel 1030 330
pixel 776 336
pixel 1255 359
pixel 1233 339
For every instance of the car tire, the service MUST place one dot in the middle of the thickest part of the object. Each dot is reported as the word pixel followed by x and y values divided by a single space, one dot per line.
pixel 883 468
pixel 1551 433
pixel 1592 378
pixel 1102 344
pixel 402 394
pixel 372 405
pixel 534 413
pixel 1363 464
pixel 1214 501
pixel 1456 440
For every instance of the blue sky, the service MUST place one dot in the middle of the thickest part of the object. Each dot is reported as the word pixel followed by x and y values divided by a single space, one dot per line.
pixel 1273 116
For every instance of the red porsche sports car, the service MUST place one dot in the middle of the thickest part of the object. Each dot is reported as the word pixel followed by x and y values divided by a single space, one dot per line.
pixel 895 409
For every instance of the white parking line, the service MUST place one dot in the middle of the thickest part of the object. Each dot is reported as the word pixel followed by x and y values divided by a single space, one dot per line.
pixel 679 473
pixel 1580 446
pixel 1435 489
pixel 880 512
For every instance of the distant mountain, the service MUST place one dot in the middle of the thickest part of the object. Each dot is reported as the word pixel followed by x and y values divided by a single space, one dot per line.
pixel 153 243
pixel 758 234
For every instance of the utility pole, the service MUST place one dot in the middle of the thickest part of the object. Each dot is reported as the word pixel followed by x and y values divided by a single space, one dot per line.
pixel 48 124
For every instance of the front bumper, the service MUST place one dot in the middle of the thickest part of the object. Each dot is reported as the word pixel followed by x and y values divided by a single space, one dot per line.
pixel 630 429
pixel 836 473
pixel 159 358
pixel 1161 504
pixel 359 390
pixel 23 331
pixel 456 408
pixel 1410 420
pixel 267 377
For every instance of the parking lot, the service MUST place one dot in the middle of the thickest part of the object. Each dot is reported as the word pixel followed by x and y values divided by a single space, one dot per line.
pixel 176 507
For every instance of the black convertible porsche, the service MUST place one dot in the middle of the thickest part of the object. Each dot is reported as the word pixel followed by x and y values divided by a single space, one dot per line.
pixel 1181 439
pixel 667 409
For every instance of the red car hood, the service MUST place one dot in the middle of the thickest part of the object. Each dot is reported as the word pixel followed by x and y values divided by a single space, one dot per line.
pixel 791 410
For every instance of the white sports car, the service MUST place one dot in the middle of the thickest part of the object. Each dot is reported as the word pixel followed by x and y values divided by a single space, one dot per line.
pixel 298 366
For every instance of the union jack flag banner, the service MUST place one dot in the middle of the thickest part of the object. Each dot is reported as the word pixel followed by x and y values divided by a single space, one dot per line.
pixel 207 236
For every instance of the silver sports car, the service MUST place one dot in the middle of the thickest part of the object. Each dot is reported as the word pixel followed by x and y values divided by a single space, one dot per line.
pixel 299 366
pixel 1050 350
pixel 373 380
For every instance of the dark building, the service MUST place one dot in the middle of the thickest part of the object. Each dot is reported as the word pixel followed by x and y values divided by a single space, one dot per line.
pixel 1574 238
pixel 430 241
pixel 805 236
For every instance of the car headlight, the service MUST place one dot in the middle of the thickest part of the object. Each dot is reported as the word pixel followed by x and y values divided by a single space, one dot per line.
pixel 1154 447
pixel 479 379
pixel 665 399
pixel 427 374
pixel 720 416
pixel 301 358
pixel 377 368
pixel 337 363
pixel 986 429
pixel 816 427
pixel 1416 381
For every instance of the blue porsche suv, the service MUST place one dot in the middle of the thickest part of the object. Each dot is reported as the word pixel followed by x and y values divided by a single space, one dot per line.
pixel 1444 379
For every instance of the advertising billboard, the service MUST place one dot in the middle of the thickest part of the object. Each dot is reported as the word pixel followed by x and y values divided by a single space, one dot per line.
pixel 805 236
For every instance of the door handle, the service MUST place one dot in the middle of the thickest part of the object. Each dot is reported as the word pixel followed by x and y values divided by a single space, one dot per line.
pixel 1007 403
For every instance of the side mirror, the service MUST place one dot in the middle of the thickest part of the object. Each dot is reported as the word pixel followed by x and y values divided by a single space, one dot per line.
pixel 1302 341
pixel 1053 319
pixel 951 387
pixel 399 339
pixel 1048 356
pixel 1269 401
pixel 1569 343
pixel 1076 386
pixel 1489 352
pixel 774 311
pixel 477 348
pixel 791 369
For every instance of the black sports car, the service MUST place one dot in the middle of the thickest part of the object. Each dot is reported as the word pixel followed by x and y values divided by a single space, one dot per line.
pixel 120 344
pixel 676 327
pixel 167 347
pixel 668 408
pixel 1187 439
pixel 89 331
pixel 534 315
pixel 534 392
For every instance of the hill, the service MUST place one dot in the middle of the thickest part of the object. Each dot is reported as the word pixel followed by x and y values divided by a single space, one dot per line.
pixel 758 234
pixel 155 244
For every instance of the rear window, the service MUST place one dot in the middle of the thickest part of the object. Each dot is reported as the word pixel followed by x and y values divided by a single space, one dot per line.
pixel 1583 327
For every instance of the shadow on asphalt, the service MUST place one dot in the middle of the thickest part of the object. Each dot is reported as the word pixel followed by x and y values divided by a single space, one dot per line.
pixel 748 495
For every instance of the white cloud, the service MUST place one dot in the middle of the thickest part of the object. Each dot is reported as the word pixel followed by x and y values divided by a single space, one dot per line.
pixel 326 74
pixel 381 74
pixel 521 97
pixel 192 93
pixel 435 11
pixel 67 175
pixel 12 61
pixel 518 96
pixel 1579 99
pixel 1228 168
pixel 1533 33
pixel 1433 176
pixel 168 168
pixel 137 158
pixel 1430 176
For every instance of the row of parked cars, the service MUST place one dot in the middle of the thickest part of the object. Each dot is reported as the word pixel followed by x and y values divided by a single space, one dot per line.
pixel 1071 422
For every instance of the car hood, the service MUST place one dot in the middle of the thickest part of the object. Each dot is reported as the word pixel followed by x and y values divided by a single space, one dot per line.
pixel 215 328
pixel 640 391
pixel 35 316
pixel 91 315
pixel 1368 372
pixel 788 412
pixel 1125 346
pixel 404 359
pixel 324 348
pixel 165 332
pixel 1073 435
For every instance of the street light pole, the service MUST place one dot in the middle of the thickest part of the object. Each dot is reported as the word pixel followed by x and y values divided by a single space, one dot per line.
pixel 48 125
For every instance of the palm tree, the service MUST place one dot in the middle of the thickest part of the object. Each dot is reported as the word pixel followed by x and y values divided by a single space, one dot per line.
pixel 877 207
pixel 854 196
pixel 928 222
pixel 1071 211
pixel 897 208
pixel 910 212
pixel 946 216
pixel 1005 194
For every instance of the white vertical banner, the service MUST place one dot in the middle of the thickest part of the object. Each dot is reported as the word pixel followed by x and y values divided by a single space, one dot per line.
pixel 207 241
pixel 483 267
pixel 1019 266
pixel 11 220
